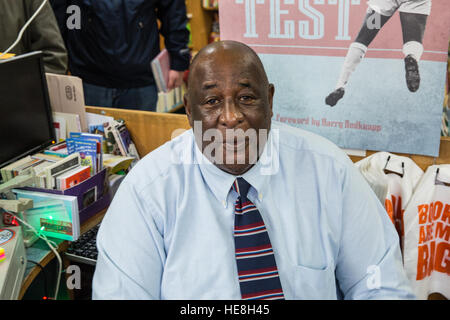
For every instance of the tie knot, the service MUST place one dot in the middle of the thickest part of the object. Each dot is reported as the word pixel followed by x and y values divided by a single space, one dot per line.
pixel 241 187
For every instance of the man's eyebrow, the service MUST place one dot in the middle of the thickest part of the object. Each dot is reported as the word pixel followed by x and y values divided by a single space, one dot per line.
pixel 245 83
pixel 209 85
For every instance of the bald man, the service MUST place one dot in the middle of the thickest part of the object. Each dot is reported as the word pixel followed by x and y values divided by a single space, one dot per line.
pixel 242 207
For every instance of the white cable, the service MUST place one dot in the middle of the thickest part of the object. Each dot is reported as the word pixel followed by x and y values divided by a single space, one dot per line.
pixel 24 28
pixel 49 243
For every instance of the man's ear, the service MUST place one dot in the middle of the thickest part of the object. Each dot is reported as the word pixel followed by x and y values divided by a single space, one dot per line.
pixel 270 94
pixel 187 107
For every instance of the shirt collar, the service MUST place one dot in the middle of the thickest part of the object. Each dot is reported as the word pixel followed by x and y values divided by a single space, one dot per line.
pixel 258 176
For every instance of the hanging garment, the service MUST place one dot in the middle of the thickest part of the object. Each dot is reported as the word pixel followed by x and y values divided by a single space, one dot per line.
pixel 393 179
pixel 426 253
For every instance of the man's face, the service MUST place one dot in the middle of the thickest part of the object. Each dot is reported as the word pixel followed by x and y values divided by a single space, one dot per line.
pixel 228 91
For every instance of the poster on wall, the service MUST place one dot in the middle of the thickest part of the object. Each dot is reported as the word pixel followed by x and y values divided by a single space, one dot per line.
pixel 367 75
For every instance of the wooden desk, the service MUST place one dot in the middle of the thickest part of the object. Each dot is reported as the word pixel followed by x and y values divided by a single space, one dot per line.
pixel 41 253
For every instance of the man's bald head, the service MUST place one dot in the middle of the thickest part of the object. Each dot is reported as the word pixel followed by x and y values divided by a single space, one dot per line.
pixel 227 51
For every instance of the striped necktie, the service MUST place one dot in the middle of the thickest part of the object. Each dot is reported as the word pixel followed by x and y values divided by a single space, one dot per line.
pixel 257 269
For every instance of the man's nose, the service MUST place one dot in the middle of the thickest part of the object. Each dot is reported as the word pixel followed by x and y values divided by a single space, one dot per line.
pixel 231 115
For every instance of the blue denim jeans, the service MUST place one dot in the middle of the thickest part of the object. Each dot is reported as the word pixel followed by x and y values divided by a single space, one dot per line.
pixel 143 98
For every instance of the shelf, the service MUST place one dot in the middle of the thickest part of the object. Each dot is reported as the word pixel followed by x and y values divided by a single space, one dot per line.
pixel 201 23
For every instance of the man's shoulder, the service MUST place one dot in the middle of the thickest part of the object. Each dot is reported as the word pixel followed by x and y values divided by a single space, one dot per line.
pixel 306 142
pixel 162 161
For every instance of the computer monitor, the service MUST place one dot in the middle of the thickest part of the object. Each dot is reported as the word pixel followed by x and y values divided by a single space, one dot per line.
pixel 26 124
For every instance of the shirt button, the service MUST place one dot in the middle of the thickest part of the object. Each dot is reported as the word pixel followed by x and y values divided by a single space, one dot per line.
pixel 141 25
pixel 260 196
pixel 224 203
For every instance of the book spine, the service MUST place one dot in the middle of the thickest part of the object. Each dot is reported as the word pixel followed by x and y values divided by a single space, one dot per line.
pixel 156 75
pixel 163 81
pixel 58 183
pixel 9 175
pixel 59 167
pixel 116 134
pixel 75 179
pixel 61 155
pixel 41 180
pixel 4 176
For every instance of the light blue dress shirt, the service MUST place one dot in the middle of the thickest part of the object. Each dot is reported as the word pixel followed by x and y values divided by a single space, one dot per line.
pixel 168 233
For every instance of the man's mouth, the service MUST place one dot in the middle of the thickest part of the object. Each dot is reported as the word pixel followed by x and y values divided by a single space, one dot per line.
pixel 236 145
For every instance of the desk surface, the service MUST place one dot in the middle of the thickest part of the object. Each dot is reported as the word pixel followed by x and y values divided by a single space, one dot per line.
pixel 41 253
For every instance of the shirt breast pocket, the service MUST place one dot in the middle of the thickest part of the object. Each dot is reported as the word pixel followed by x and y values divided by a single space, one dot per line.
pixel 314 284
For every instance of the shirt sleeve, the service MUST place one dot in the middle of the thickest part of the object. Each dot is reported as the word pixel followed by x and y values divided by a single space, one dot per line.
pixel 45 36
pixel 172 14
pixel 369 263
pixel 130 250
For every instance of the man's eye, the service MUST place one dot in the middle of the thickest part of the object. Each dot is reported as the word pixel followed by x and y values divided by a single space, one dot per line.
pixel 246 98
pixel 212 101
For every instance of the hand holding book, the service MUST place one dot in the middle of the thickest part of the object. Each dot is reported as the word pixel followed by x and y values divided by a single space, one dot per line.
pixel 175 79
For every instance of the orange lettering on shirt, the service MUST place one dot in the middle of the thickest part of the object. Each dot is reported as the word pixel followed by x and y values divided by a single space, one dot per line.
pixel 431 258
pixel 423 212
pixel 437 210
pixel 443 258
pixel 442 232
pixel 389 209
pixel 422 262
pixel 429 232
pixel 422 238
pixel 403 223
pixel 430 212
pixel 446 214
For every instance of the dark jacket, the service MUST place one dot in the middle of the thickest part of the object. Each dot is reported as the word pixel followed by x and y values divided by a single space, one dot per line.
pixel 42 34
pixel 119 38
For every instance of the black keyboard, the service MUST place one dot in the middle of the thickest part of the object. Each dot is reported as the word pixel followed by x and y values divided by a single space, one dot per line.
pixel 84 250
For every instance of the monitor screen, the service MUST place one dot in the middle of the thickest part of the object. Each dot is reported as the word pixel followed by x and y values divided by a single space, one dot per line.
pixel 26 124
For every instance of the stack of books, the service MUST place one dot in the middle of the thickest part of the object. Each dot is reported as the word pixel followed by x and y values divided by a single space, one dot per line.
pixel 89 146
pixel 117 138
pixel 167 99
pixel 54 171
pixel 36 163
pixel 63 174
pixel 118 146
pixel 80 157
pixel 64 123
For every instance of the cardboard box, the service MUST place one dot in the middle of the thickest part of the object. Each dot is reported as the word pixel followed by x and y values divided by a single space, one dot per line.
pixel 67 96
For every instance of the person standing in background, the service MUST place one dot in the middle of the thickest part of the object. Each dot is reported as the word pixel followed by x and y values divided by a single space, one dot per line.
pixel 41 35
pixel 116 41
